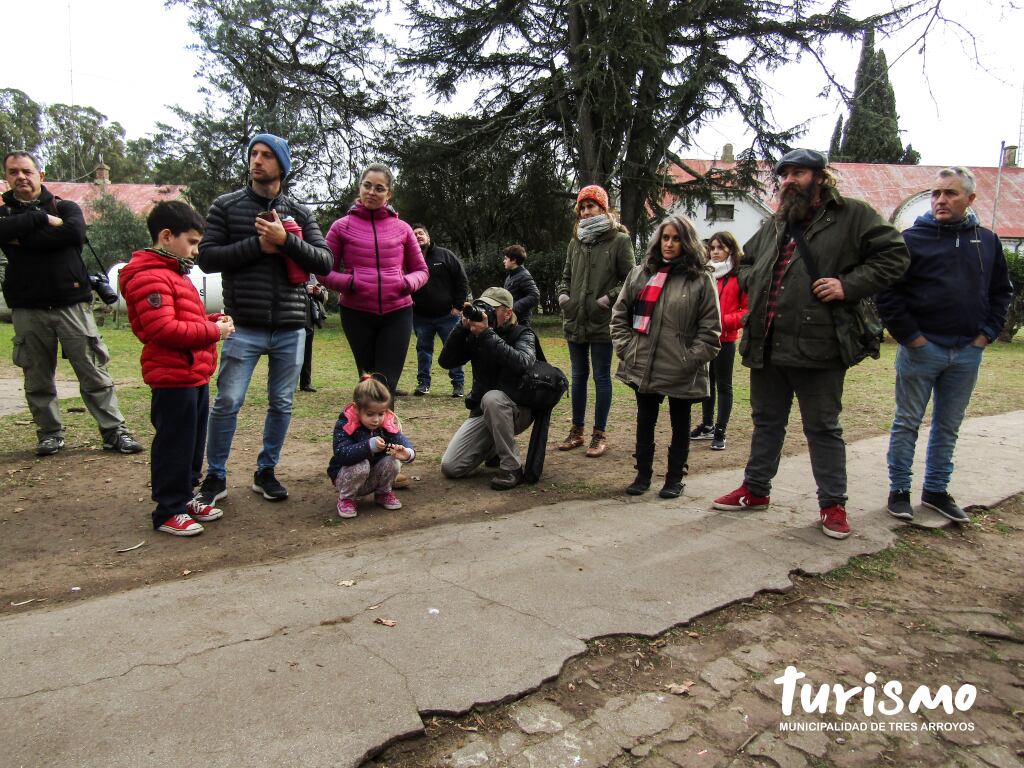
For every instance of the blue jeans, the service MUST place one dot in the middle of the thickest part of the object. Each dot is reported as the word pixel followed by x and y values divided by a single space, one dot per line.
pixel 601 359
pixel 238 357
pixel 425 328
pixel 948 376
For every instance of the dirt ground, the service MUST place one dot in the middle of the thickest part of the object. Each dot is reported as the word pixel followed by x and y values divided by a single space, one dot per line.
pixel 940 608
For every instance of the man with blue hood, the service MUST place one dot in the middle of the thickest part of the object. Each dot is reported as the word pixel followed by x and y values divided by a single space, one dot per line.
pixel 266 245
pixel 950 304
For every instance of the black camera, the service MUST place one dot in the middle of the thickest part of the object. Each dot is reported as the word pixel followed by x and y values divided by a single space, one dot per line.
pixel 101 284
pixel 480 310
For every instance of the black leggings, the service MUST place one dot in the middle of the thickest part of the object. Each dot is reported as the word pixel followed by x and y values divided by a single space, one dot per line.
pixel 720 372
pixel 647 407
pixel 379 342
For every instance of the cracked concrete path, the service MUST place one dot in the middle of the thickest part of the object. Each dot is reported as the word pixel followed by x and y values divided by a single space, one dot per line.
pixel 281 664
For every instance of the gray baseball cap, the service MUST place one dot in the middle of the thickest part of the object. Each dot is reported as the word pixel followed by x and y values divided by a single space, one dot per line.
pixel 805 158
pixel 497 297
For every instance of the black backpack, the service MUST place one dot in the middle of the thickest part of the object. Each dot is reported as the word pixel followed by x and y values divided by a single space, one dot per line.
pixel 542 386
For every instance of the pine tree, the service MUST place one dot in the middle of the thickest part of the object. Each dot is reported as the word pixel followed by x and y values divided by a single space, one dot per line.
pixel 872 132
pixel 834 146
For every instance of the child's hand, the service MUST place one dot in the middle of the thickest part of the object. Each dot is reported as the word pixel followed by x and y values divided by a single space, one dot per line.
pixel 379 444
pixel 225 326
pixel 400 452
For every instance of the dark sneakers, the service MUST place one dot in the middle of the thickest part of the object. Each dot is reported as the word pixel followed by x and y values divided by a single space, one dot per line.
pixel 123 442
pixel 212 490
pixel 944 504
pixel 48 446
pixel 458 390
pixel 718 440
pixel 421 390
pixel 702 432
pixel 507 479
pixel 263 481
pixel 899 505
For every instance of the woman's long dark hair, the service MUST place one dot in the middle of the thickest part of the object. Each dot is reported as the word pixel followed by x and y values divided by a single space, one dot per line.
pixel 728 239
pixel 693 255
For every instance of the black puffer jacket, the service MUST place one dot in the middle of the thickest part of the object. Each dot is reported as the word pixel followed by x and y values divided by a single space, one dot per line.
pixel 499 359
pixel 257 291
pixel 520 283
pixel 44 267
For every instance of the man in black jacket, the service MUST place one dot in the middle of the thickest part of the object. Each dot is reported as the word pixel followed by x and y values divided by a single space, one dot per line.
pixel 501 352
pixel 250 236
pixel 436 308
pixel 50 296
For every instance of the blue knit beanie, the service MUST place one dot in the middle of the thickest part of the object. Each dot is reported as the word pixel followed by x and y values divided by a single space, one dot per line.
pixel 278 146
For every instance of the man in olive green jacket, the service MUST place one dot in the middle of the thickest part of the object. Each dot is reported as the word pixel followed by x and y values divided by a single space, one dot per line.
pixel 801 318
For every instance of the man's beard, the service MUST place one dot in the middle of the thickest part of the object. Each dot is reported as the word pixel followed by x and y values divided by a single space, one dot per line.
pixel 796 203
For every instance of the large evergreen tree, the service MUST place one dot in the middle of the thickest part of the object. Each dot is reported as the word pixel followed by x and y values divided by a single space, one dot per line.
pixel 872 133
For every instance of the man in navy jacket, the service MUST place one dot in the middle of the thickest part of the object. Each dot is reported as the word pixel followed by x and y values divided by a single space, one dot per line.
pixel 949 305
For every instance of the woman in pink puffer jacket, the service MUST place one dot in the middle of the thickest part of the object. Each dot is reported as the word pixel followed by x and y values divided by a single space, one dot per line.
pixel 377 267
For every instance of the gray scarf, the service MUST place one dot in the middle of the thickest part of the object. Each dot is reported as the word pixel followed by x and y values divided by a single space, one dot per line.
pixel 588 230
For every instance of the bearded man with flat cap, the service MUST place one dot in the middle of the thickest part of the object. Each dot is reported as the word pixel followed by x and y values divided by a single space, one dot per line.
pixel 805 272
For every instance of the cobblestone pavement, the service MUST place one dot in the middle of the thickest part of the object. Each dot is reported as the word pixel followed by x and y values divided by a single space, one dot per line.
pixel 942 608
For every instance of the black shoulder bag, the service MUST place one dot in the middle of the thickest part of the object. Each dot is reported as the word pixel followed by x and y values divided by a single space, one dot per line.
pixel 858 328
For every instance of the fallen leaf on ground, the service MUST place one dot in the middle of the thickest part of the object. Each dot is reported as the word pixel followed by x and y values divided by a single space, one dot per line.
pixel 680 690
pixel 19 509
pixel 129 549
pixel 186 572
pixel 347 583
pixel 386 622
pixel 373 607
pixel 692 634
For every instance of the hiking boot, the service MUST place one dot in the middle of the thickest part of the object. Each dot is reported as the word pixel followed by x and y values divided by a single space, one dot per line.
pixel 718 440
pixel 346 508
pixel 598 444
pixel 644 456
pixel 640 485
pixel 263 481
pixel 421 390
pixel 507 479
pixel 741 499
pixel 387 500
pixel 672 488
pixel 702 432
pixel 574 440
pixel 943 503
pixel 458 390
pixel 181 525
pixel 123 442
pixel 212 490
pixel 49 445
pixel 833 522
pixel 899 505
pixel 204 513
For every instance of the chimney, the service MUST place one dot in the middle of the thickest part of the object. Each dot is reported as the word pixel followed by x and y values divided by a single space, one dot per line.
pixel 1010 157
pixel 102 175
pixel 727 154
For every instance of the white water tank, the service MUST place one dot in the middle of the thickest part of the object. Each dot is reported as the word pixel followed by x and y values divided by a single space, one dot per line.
pixel 209 287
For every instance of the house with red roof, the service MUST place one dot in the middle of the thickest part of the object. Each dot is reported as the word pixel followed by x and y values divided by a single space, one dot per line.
pixel 900 193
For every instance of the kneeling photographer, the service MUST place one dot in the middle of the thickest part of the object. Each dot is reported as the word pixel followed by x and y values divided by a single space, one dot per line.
pixel 500 352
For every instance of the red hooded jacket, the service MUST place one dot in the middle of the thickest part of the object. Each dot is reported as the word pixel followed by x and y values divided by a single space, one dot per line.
pixel 179 340
pixel 733 304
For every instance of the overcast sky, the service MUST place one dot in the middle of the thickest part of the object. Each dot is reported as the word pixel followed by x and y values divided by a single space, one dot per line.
pixel 130 60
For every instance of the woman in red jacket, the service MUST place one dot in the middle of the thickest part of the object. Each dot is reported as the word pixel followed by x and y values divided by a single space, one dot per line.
pixel 725 254
pixel 378 265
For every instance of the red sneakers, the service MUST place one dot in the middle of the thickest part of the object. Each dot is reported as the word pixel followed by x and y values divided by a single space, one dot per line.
pixel 387 500
pixel 346 508
pixel 833 522
pixel 204 513
pixel 741 499
pixel 181 525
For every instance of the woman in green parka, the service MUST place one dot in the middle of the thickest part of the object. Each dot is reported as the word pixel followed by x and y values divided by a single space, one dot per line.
pixel 665 328
pixel 599 257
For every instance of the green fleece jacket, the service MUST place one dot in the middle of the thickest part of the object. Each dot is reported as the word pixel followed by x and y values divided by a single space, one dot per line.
pixel 593 271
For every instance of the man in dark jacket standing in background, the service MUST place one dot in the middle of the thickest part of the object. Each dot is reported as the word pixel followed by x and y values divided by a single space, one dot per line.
pixel 796 340
pixel 946 309
pixel 520 283
pixel 436 309
pixel 249 235
pixel 48 290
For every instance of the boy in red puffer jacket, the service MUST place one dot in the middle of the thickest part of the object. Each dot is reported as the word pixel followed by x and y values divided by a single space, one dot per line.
pixel 179 354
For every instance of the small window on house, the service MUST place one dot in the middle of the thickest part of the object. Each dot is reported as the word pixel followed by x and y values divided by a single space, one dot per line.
pixel 721 212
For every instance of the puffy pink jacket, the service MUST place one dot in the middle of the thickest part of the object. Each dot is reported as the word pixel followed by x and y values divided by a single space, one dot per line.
pixel 378 264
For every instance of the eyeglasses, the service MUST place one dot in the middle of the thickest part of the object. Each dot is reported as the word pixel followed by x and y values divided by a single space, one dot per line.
pixel 380 189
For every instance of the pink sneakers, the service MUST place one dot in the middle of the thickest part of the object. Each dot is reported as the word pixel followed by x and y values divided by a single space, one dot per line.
pixel 387 500
pixel 204 513
pixel 181 525
pixel 346 508
pixel 833 522
pixel 741 499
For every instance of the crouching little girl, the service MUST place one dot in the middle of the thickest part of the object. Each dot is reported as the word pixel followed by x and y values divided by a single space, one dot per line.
pixel 368 448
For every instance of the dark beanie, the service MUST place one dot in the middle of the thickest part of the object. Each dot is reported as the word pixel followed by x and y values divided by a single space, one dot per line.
pixel 278 146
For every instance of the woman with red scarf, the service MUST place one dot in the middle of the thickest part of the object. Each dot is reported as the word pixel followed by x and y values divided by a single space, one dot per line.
pixel 665 330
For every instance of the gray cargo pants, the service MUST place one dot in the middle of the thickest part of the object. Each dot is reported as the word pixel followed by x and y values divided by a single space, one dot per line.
pixel 36 333
pixel 482 436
